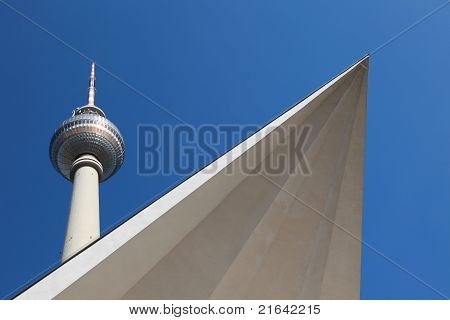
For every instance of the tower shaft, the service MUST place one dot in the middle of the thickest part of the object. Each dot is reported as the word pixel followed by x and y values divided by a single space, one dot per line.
pixel 83 226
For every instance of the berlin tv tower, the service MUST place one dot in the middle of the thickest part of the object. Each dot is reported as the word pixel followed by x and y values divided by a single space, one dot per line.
pixel 86 149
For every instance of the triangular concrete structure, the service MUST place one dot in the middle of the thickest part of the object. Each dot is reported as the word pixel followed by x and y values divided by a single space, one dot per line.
pixel 225 235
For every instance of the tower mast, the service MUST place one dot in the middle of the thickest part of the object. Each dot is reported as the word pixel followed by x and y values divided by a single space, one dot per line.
pixel 91 94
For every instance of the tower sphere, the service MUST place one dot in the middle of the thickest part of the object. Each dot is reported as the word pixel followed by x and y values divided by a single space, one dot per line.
pixel 87 132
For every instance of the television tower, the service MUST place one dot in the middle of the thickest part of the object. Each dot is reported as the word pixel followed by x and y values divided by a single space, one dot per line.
pixel 86 149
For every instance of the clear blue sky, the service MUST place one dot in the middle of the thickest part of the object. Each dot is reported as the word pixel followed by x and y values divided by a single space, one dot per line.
pixel 243 62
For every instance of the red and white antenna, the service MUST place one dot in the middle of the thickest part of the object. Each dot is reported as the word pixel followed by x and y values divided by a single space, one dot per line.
pixel 91 94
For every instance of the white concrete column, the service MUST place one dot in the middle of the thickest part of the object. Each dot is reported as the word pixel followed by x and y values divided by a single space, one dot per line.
pixel 83 225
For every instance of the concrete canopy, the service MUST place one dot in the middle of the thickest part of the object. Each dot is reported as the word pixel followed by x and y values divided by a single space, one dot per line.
pixel 244 236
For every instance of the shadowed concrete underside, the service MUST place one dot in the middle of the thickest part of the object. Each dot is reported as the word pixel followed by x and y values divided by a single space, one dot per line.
pixel 244 236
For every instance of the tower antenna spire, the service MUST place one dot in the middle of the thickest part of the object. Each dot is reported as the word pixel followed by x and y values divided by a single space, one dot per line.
pixel 91 94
